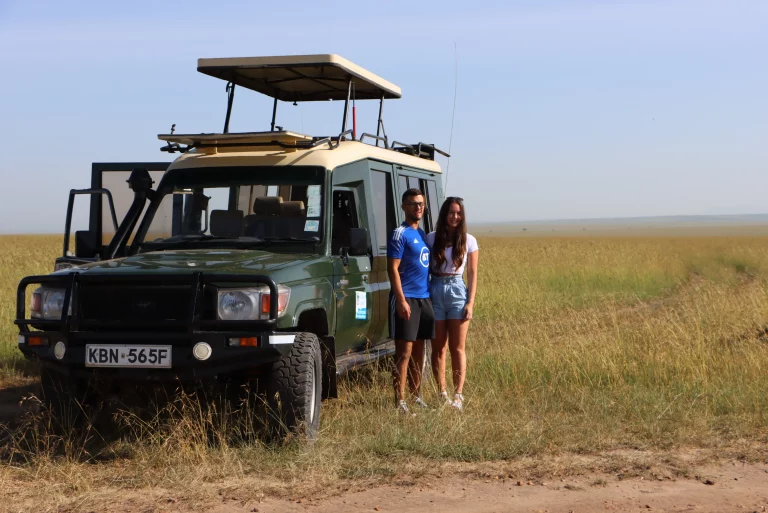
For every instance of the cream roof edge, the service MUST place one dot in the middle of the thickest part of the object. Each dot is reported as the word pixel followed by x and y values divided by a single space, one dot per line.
pixel 346 153
pixel 206 64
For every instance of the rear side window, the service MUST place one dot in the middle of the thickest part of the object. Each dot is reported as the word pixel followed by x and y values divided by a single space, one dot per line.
pixel 432 204
pixel 384 205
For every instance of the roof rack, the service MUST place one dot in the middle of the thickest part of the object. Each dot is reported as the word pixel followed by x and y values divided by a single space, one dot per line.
pixel 266 140
pixel 422 150
pixel 296 78
pixel 300 78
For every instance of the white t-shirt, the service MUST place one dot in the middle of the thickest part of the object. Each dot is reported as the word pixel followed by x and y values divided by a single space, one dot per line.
pixel 448 265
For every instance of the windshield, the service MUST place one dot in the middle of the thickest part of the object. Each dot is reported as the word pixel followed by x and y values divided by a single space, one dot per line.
pixel 234 208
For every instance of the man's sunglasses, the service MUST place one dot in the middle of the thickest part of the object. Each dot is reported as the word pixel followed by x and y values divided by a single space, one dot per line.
pixel 416 204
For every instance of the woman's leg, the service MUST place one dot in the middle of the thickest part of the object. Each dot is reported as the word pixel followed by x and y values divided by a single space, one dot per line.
pixel 439 351
pixel 457 337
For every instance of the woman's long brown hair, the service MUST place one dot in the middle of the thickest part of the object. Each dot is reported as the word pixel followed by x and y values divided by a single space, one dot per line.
pixel 444 238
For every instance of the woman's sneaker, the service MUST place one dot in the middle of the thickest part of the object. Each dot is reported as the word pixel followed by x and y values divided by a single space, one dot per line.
pixel 402 409
pixel 421 404
pixel 458 402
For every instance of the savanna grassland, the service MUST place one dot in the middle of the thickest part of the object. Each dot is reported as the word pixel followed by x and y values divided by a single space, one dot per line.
pixel 580 347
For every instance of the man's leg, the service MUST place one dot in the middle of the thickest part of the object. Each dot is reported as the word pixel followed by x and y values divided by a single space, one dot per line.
pixel 416 368
pixel 403 349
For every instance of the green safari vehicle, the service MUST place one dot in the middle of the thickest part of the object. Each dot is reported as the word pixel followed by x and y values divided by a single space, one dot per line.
pixel 252 256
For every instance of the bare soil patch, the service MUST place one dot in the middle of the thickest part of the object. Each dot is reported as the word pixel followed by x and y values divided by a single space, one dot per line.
pixel 724 486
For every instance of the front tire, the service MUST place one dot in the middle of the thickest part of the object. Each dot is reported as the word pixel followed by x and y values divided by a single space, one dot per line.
pixel 294 389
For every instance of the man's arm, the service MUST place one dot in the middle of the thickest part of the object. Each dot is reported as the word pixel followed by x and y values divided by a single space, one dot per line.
pixel 393 266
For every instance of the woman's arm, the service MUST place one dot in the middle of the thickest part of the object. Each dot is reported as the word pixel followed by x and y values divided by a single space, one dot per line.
pixel 472 260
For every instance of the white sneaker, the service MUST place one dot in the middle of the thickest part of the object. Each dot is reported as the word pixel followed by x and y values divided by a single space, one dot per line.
pixel 402 409
pixel 421 404
pixel 458 402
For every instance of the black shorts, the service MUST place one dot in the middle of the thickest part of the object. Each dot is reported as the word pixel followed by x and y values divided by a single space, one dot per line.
pixel 420 325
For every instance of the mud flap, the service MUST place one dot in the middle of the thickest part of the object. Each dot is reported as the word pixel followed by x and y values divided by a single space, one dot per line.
pixel 328 348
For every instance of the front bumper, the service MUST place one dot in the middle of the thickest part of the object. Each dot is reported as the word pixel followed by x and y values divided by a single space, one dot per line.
pixel 223 360
pixel 75 332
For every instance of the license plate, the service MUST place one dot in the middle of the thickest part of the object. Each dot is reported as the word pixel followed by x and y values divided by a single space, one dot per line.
pixel 127 356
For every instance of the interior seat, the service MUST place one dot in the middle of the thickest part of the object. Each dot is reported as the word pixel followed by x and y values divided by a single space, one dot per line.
pixel 293 218
pixel 266 212
pixel 227 223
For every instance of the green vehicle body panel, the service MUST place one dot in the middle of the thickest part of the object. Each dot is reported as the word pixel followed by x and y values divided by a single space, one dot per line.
pixel 319 280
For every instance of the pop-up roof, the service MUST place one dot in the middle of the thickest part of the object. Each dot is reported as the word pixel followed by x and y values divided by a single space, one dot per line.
pixel 300 78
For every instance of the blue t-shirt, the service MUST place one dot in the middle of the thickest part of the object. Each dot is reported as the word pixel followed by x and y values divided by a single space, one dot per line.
pixel 408 244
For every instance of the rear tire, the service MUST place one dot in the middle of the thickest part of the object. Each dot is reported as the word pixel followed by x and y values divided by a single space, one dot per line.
pixel 294 389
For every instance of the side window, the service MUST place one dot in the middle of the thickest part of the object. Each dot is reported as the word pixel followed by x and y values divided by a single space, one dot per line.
pixel 403 183
pixel 384 206
pixel 432 205
pixel 344 218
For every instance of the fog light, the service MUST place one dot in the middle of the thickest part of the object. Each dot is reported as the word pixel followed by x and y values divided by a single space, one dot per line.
pixel 202 351
pixel 59 349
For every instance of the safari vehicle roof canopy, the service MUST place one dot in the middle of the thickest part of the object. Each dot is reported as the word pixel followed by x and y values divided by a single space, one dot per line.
pixel 297 78
pixel 300 78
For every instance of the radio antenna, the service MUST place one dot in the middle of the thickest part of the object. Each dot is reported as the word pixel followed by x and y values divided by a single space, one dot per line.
pixel 453 115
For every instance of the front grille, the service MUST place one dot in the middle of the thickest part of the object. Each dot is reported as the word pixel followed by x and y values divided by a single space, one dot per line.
pixel 133 304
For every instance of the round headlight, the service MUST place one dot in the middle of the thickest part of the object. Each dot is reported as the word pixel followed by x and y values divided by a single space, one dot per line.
pixel 53 302
pixel 238 305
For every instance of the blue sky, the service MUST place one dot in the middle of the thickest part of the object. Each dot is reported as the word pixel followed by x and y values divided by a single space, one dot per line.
pixel 564 109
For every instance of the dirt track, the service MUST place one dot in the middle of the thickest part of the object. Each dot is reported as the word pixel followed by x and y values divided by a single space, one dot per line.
pixel 735 487
pixel 732 486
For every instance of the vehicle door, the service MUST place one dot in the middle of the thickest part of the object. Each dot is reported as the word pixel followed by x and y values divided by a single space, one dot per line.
pixel 109 200
pixel 384 221
pixel 355 308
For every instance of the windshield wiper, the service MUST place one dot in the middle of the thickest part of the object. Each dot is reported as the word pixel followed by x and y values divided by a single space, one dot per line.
pixel 290 239
pixel 183 240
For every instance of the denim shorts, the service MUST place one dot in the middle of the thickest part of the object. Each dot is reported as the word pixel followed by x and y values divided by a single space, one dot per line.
pixel 449 297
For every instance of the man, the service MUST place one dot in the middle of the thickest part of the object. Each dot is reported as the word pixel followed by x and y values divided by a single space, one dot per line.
pixel 411 318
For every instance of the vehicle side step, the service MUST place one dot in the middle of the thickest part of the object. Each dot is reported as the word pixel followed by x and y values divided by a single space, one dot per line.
pixel 347 362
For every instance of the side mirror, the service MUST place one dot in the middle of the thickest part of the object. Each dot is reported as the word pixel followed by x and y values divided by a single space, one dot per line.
pixel 358 242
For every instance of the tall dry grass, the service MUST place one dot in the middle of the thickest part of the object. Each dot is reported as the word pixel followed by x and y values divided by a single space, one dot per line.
pixel 579 345
pixel 20 256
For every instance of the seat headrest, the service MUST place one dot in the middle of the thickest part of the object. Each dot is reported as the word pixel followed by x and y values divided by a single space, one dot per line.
pixel 227 223
pixel 267 205
pixel 292 208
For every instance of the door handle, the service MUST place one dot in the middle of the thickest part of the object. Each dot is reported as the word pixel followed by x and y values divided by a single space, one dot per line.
pixel 365 277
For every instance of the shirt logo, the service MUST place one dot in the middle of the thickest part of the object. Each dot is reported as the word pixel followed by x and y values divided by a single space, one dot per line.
pixel 424 257
pixel 415 241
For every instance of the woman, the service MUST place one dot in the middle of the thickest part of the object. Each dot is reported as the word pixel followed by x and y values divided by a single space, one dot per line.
pixel 453 250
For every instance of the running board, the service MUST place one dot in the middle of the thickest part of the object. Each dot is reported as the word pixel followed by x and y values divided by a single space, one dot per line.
pixel 348 362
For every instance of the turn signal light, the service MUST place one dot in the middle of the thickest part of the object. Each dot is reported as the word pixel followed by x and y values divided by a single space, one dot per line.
pixel 266 302
pixel 243 342
pixel 282 302
pixel 36 341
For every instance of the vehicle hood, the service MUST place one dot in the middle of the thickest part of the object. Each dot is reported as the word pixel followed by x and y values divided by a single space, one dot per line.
pixel 282 267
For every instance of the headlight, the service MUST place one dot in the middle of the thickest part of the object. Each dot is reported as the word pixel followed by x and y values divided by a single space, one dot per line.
pixel 250 303
pixel 48 303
